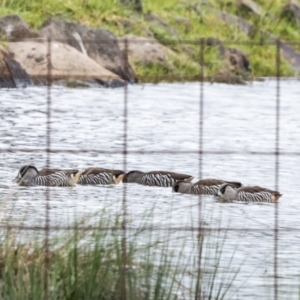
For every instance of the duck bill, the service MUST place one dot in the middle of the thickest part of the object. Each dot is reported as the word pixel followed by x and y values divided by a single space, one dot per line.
pixel 16 180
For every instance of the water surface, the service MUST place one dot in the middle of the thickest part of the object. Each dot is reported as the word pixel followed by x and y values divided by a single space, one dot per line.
pixel 238 120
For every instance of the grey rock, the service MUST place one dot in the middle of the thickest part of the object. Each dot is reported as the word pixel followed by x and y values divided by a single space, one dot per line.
pixel 12 75
pixel 290 54
pixel 237 62
pixel 66 63
pixel 249 6
pixel 13 28
pixel 99 44
pixel 291 11
pixel 106 51
pixel 231 19
pixel 143 50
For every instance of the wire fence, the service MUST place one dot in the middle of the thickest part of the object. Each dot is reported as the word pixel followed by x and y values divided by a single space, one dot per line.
pixel 124 228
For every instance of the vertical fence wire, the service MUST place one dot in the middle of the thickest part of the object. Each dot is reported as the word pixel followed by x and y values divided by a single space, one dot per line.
pixel 124 206
pixel 278 73
pixel 200 158
pixel 48 146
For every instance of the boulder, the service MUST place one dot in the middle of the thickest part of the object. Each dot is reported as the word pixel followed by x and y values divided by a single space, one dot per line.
pixel 288 52
pixel 226 76
pixel 240 7
pixel 291 11
pixel 144 51
pixel 13 28
pixel 6 80
pixel 99 44
pixel 236 62
pixel 108 53
pixel 66 63
pixel 231 19
pixel 12 75
pixel 249 6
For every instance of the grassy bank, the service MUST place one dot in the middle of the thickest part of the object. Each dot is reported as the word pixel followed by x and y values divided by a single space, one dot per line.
pixel 183 20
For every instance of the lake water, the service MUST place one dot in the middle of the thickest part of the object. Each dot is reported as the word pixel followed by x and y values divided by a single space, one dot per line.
pixel 237 120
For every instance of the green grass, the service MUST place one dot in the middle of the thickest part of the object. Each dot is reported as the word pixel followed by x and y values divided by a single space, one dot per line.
pixel 87 265
pixel 190 22
pixel 90 264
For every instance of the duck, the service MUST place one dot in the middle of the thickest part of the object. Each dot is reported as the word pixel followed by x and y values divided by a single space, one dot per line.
pixel 155 178
pixel 248 194
pixel 94 176
pixel 29 175
pixel 209 186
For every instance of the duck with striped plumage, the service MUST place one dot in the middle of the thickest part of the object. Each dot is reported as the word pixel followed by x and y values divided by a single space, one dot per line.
pixel 101 176
pixel 30 176
pixel 208 186
pixel 248 194
pixel 156 178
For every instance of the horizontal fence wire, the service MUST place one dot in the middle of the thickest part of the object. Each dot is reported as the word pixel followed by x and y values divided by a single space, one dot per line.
pixel 196 42
pixel 150 152
pixel 145 228
pixel 156 78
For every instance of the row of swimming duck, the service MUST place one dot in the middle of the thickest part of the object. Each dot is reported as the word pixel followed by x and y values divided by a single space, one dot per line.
pixel 181 183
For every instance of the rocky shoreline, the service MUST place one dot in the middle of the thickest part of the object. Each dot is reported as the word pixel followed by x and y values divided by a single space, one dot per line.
pixel 81 54
pixel 76 53
pixel 89 56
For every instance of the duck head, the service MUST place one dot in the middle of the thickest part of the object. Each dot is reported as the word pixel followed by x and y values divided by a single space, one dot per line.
pixel 26 174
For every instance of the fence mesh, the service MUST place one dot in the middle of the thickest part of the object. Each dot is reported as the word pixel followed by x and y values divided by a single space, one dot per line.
pixel 126 229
